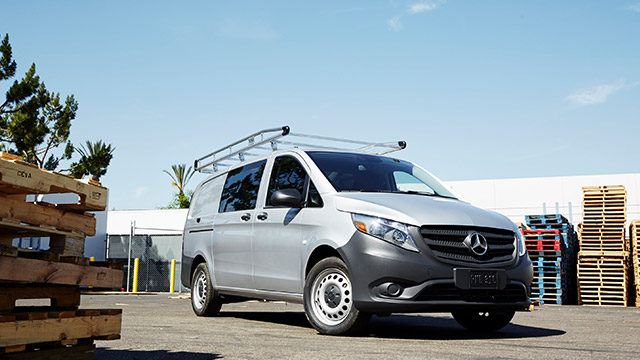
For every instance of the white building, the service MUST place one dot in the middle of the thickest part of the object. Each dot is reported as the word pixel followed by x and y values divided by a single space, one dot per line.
pixel 516 198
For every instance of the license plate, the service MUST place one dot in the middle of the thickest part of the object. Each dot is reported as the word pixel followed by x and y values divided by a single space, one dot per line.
pixel 481 279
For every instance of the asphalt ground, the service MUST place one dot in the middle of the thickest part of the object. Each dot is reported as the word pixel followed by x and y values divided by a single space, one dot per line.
pixel 163 327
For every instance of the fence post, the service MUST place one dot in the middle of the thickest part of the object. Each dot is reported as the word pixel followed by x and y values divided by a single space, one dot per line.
pixel 172 280
pixel 135 274
pixel 132 230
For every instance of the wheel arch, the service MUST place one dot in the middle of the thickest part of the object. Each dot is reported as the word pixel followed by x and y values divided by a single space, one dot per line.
pixel 320 253
pixel 199 259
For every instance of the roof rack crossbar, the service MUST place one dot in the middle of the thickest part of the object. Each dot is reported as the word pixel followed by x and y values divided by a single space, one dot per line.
pixel 251 139
pixel 239 150
pixel 313 146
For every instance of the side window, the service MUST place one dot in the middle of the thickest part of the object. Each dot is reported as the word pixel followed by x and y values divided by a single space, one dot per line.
pixel 240 190
pixel 204 200
pixel 287 173
pixel 313 198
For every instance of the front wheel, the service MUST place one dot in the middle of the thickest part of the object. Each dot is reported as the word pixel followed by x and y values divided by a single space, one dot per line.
pixel 205 301
pixel 328 299
pixel 483 320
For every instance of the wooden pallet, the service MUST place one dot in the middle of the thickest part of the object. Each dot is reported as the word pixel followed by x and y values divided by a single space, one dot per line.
pixel 61 297
pixel 15 209
pixel 60 242
pixel 17 331
pixel 17 177
pixel 60 270
pixel 603 281
pixel 606 189
pixel 634 242
pixel 81 349
pixel 603 225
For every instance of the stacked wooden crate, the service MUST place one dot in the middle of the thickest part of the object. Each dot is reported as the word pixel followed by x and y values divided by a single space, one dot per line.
pixel 551 242
pixel 58 328
pixel 603 257
pixel 634 237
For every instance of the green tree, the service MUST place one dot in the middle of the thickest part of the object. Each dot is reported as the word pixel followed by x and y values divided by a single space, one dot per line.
pixel 180 176
pixel 94 160
pixel 32 119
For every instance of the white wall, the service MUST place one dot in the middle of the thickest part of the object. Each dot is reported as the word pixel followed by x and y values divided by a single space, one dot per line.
pixel 528 196
pixel 150 222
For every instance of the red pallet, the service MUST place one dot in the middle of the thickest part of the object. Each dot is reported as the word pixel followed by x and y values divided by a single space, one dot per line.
pixel 542 245
pixel 541 232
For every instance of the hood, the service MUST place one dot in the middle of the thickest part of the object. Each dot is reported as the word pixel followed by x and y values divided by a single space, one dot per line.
pixel 420 210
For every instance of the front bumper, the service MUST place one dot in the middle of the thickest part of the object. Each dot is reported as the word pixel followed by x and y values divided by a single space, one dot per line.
pixel 387 279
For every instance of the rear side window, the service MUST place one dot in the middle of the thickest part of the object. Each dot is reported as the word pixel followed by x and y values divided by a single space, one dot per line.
pixel 240 190
pixel 204 200
pixel 287 173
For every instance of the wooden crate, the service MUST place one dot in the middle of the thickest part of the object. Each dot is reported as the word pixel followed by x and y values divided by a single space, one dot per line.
pixel 603 281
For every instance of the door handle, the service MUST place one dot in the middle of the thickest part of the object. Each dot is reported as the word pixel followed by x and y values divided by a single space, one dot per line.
pixel 262 216
pixel 245 217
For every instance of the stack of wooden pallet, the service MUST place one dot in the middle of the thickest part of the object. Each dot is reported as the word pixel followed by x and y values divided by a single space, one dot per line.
pixel 551 242
pixel 634 237
pixel 55 327
pixel 603 256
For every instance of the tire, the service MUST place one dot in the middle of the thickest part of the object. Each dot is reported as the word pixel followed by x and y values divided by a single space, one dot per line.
pixel 205 300
pixel 328 299
pixel 483 320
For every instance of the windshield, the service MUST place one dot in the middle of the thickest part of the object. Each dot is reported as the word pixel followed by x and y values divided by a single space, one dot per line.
pixel 371 173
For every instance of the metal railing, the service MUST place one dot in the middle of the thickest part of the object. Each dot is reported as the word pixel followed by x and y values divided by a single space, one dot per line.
pixel 255 145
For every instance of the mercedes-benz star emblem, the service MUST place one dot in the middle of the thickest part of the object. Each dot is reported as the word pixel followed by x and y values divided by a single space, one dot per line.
pixel 477 243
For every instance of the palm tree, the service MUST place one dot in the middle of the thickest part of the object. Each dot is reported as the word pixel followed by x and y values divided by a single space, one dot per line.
pixel 94 160
pixel 180 177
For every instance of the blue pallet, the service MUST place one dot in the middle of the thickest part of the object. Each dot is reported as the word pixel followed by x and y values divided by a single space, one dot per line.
pixel 541 272
pixel 551 257
pixel 558 300
pixel 548 283
pixel 545 219
pixel 562 227
pixel 548 290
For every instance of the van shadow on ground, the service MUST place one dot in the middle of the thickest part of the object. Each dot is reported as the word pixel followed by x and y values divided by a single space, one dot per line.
pixel 406 326
pixel 113 354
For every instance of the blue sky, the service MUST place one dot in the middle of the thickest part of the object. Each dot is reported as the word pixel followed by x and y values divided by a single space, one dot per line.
pixel 478 89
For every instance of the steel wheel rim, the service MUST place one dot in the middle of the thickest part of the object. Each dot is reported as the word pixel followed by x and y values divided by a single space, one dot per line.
pixel 331 294
pixel 200 291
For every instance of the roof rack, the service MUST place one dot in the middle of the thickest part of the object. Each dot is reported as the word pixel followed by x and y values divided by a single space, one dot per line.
pixel 256 145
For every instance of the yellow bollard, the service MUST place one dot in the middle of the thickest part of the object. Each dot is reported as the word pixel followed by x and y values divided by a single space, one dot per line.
pixel 91 259
pixel 172 280
pixel 136 265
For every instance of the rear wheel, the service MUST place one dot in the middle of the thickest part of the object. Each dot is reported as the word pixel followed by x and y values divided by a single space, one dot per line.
pixel 328 299
pixel 205 301
pixel 483 320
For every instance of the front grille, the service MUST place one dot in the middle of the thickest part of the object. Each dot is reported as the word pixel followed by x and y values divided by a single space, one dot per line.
pixel 447 243
pixel 448 292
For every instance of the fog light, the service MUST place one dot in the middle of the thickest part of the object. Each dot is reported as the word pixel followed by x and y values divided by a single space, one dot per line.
pixel 393 289
pixel 389 289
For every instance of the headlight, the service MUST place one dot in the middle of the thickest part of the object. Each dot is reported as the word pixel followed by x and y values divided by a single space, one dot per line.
pixel 522 248
pixel 391 231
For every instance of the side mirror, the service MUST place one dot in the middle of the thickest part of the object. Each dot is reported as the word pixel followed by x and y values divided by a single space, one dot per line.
pixel 287 198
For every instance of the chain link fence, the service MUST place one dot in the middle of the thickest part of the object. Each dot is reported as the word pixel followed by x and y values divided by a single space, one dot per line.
pixel 155 253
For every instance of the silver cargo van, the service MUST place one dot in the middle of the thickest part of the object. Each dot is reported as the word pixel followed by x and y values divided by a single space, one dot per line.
pixel 348 233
